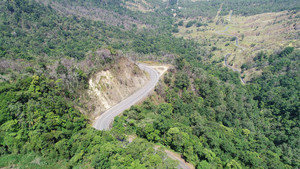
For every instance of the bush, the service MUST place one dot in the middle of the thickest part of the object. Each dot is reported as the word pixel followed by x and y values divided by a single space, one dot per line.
pixel 286 51
pixel 175 30
pixel 180 23
pixel 199 24
pixel 190 24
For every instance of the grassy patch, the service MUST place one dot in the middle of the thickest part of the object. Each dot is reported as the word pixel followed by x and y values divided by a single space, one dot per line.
pixel 267 32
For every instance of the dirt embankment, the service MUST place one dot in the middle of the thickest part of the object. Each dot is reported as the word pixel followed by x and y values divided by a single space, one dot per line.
pixel 109 87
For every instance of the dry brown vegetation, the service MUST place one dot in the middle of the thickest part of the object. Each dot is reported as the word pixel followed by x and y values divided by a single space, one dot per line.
pixel 263 32
pixel 109 87
pixel 95 13
pixel 139 5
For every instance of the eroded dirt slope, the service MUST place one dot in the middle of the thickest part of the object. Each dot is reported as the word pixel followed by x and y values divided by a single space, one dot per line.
pixel 109 87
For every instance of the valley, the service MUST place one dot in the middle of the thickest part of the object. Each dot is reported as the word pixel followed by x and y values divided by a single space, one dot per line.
pixel 149 84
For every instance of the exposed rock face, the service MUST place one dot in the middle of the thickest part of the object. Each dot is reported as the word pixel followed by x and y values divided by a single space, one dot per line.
pixel 107 88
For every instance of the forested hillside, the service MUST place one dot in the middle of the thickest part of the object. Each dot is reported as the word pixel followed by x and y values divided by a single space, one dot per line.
pixel 49 50
pixel 215 121
pixel 240 7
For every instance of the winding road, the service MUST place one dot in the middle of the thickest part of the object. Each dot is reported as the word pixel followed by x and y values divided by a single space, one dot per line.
pixel 182 164
pixel 103 122
pixel 227 55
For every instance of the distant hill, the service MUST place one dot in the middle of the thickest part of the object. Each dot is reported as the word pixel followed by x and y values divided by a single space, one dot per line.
pixel 50 50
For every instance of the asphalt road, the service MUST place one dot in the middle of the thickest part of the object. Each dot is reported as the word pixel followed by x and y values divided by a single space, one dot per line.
pixel 181 164
pixel 226 56
pixel 103 122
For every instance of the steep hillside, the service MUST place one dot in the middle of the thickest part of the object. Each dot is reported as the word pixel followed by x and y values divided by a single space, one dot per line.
pixel 109 87
pixel 265 33
pixel 213 120
pixel 96 11
pixel 62 62
pixel 195 8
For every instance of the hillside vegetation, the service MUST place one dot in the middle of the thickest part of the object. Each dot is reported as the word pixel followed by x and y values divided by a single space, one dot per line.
pixel 50 50
pixel 214 123
pixel 240 7
pixel 267 32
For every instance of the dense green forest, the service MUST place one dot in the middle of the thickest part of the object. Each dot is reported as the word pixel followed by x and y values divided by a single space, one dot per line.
pixel 214 123
pixel 206 114
pixel 37 121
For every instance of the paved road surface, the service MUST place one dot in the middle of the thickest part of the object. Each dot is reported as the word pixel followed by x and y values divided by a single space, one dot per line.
pixel 237 45
pixel 236 38
pixel 103 122
pixel 181 164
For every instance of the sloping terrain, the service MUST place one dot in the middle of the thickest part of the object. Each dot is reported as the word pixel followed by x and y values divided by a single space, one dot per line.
pixel 56 59
pixel 109 87
pixel 96 12
pixel 139 5
pixel 266 32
